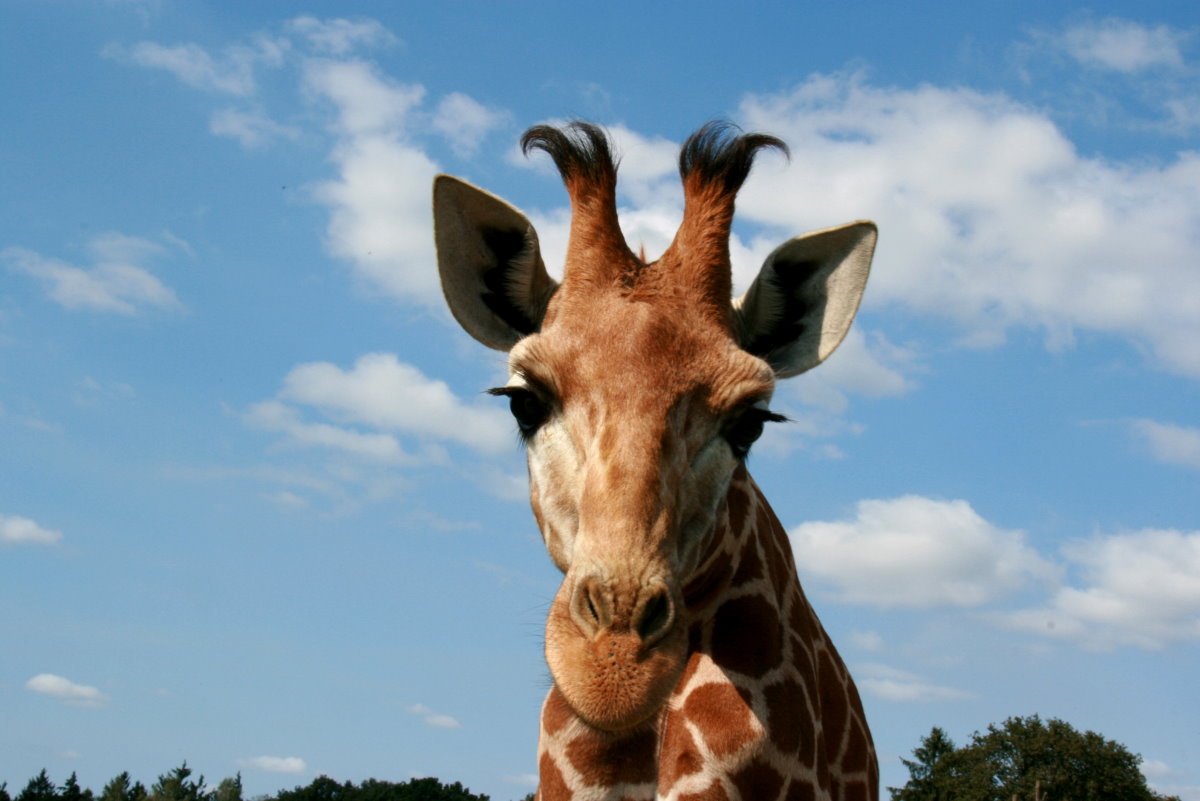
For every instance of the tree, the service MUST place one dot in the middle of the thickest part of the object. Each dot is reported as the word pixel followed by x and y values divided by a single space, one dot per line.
pixel 4 796
pixel 230 789
pixel 71 791
pixel 119 788
pixel 176 786
pixel 1028 759
pixel 39 788
pixel 927 772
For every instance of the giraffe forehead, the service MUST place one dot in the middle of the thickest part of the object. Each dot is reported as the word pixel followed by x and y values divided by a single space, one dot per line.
pixel 634 358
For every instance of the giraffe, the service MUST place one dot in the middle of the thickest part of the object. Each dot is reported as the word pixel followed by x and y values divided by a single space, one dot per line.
pixel 687 664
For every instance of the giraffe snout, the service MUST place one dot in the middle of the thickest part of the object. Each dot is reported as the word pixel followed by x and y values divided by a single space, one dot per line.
pixel 599 606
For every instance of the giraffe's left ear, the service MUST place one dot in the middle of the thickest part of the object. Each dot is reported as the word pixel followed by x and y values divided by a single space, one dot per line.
pixel 800 306
pixel 490 264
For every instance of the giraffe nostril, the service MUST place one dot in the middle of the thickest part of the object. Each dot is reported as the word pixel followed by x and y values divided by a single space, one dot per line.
pixel 590 607
pixel 655 617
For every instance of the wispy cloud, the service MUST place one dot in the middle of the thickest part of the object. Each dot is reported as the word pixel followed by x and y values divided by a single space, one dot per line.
pixel 23 531
pixel 383 392
pixel 118 282
pixel 1138 589
pixel 465 122
pixel 1170 443
pixel 892 684
pixel 251 128
pixel 338 37
pixel 274 764
pixel 434 719
pixel 1123 45
pixel 230 73
pixel 66 690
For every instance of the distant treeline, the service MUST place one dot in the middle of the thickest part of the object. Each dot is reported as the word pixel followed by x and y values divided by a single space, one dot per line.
pixel 178 785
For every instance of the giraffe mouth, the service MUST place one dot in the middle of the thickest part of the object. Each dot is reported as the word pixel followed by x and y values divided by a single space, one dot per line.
pixel 616 671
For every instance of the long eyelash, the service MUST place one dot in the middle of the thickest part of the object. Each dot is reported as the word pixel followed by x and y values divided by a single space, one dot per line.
pixel 768 416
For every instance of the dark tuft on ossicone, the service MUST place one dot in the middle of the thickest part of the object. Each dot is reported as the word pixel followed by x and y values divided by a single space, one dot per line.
pixel 719 151
pixel 579 149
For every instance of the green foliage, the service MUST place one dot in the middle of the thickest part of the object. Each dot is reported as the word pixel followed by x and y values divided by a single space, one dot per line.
pixel 1025 759
pixel 324 788
pixel 119 788
pixel 178 785
pixel 230 789
pixel 39 788
pixel 71 791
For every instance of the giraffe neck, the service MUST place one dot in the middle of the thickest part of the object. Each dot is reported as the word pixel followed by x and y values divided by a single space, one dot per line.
pixel 765 708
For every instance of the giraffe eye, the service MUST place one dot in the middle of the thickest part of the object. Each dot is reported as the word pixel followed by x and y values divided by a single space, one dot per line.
pixel 745 429
pixel 527 407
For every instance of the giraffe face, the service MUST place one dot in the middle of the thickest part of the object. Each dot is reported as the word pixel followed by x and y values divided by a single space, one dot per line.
pixel 635 420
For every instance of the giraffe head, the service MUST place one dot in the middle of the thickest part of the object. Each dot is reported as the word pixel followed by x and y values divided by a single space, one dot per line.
pixel 638 389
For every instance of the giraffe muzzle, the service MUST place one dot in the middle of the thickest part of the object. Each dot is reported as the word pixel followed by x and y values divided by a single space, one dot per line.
pixel 616 650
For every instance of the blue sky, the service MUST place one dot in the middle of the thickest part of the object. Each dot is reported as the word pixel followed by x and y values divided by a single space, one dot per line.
pixel 256 513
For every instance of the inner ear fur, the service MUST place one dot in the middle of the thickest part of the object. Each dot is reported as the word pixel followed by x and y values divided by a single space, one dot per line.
pixel 490 264
pixel 804 299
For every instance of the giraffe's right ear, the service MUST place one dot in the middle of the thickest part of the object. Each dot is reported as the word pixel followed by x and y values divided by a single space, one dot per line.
pixel 490 264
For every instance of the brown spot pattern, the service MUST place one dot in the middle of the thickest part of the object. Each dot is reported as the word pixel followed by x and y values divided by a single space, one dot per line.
pixel 714 792
pixel 551 786
pixel 722 715
pixel 607 761
pixel 834 707
pixel 679 756
pixel 758 781
pixel 787 715
pixel 556 713
pixel 747 636
pixel 750 568
pixel 801 791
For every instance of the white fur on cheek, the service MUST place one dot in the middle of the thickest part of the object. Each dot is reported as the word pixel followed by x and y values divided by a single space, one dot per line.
pixel 556 479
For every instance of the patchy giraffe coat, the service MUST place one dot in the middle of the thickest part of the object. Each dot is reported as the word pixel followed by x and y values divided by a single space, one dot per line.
pixel 687 663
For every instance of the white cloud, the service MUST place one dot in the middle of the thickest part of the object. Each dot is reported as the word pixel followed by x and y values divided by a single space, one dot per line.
pixel 899 686
pixel 524 779
pixel 866 363
pixel 65 690
pixel 379 203
pixel 251 128
pixel 1123 46
pixel 232 73
pixel 383 392
pixel 367 102
pixel 275 416
pixel 465 122
pixel 434 719
pixel 866 640
pixel 1140 589
pixel 915 552
pixel 116 283
pixel 23 531
pixel 1172 444
pixel 988 216
pixel 338 37
pixel 274 764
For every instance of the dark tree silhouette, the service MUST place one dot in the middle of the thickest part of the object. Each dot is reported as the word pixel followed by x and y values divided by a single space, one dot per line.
pixel 1025 758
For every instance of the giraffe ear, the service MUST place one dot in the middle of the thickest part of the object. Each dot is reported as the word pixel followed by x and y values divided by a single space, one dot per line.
pixel 800 306
pixel 490 264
